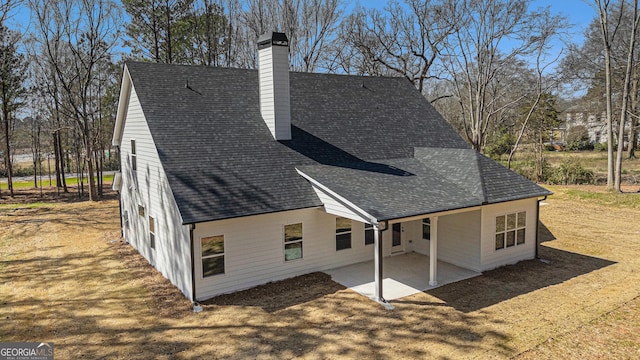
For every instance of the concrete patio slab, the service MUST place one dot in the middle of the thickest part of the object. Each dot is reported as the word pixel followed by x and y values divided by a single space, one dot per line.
pixel 404 275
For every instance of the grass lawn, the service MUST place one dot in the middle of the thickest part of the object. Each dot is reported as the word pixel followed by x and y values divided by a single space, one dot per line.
pixel 68 278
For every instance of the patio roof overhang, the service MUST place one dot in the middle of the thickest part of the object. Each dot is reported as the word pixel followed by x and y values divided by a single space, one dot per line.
pixel 387 190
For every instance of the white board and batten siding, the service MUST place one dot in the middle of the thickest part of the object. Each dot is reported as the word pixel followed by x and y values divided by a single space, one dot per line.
pixel 148 187
pixel 254 249
pixel 492 258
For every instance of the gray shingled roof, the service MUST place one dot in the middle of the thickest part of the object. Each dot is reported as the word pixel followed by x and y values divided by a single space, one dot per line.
pixel 221 161
pixel 435 180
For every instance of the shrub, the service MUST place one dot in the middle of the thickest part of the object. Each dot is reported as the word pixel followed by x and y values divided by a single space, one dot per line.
pixel 571 171
pixel 500 146
pixel 600 146
pixel 578 139
pixel 529 168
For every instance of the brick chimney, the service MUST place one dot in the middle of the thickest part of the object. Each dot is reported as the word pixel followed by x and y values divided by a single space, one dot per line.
pixel 273 73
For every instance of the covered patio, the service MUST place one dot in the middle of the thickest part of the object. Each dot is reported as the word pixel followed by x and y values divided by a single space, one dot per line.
pixel 404 275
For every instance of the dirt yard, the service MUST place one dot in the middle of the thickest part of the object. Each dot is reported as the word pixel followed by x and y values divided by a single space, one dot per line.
pixel 69 279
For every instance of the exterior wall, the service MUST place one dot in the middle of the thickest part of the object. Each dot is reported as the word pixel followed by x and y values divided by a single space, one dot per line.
pixel 492 258
pixel 149 188
pixel 254 249
pixel 459 239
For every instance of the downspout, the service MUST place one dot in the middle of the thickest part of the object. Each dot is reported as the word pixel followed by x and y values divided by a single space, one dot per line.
pixel 538 224
pixel 193 266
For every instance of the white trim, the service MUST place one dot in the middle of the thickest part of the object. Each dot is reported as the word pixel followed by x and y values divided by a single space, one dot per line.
pixel 123 105
pixel 348 205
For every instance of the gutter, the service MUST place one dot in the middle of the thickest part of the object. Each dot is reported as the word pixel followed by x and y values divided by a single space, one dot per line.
pixel 538 224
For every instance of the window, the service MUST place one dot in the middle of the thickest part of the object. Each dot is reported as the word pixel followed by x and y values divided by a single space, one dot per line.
pixel 140 210
pixel 343 233
pixel 293 242
pixel 510 230
pixel 426 228
pixel 134 162
pixel 152 232
pixel 212 255
pixel 368 234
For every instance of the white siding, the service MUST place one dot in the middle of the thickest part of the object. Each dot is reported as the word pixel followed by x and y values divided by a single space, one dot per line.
pixel 459 239
pixel 420 245
pixel 492 258
pixel 332 206
pixel 254 249
pixel 148 187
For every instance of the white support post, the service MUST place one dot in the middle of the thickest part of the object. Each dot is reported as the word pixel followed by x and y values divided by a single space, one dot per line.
pixel 433 253
pixel 377 260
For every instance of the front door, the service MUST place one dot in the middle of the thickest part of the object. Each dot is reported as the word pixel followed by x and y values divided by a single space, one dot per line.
pixel 396 239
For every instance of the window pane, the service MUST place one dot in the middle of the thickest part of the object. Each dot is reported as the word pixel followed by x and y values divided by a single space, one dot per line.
pixel 213 245
pixel 368 234
pixel 343 241
pixel 500 223
pixel 426 231
pixel 343 224
pixel 213 266
pixel 522 219
pixel 499 241
pixel 152 240
pixel 152 226
pixel 133 147
pixel 140 210
pixel 293 251
pixel 520 237
pixel 293 232
pixel 134 164
pixel 511 238
pixel 511 221
pixel 397 236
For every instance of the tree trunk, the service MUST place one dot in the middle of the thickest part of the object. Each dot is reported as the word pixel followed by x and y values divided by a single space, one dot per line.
pixel 625 100
pixel 7 149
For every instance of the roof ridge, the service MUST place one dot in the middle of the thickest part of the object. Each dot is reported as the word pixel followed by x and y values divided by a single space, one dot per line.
pixel 481 175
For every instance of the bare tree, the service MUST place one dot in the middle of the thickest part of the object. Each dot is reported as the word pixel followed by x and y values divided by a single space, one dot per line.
pixel 404 39
pixel 12 77
pixel 625 98
pixel 491 35
pixel 310 25
pixel 77 38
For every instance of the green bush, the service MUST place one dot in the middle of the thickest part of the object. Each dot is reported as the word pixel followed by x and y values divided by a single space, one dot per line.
pixel 570 171
pixel 528 168
pixel 578 139
pixel 600 147
pixel 500 146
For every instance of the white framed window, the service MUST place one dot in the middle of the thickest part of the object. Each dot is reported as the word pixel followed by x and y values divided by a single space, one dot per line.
pixel 293 242
pixel 140 210
pixel 510 230
pixel 134 156
pixel 212 255
pixel 426 228
pixel 368 234
pixel 343 233
pixel 152 232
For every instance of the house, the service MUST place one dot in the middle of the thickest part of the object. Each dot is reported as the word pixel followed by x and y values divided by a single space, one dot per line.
pixel 231 178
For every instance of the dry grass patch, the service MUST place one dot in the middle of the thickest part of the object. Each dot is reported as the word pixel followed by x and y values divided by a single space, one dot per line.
pixel 67 277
